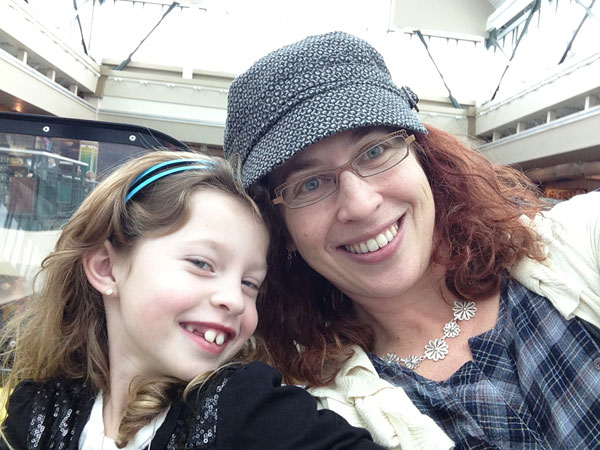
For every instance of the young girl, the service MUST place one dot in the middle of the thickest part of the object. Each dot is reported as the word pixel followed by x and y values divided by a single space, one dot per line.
pixel 152 287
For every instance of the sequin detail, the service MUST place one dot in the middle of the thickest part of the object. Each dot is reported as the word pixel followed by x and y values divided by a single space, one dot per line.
pixel 55 413
pixel 204 429
pixel 60 409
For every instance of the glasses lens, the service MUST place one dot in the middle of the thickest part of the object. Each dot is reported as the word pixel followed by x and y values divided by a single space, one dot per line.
pixel 309 190
pixel 380 157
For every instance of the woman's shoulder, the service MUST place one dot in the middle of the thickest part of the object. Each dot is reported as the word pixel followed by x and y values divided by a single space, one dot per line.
pixel 576 220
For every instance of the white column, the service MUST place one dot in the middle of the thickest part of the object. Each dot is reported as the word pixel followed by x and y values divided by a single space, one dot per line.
pixel 22 55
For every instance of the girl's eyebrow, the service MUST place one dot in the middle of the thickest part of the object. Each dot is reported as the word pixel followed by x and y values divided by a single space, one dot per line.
pixel 223 249
pixel 209 242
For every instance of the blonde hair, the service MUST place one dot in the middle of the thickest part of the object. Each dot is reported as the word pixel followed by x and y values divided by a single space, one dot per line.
pixel 61 331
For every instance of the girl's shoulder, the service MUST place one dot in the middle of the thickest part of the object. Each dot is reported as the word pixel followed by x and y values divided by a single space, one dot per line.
pixel 54 404
pixel 254 380
pixel 45 393
pixel 253 410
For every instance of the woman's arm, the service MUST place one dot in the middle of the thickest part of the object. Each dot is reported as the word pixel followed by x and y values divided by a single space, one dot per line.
pixel 570 275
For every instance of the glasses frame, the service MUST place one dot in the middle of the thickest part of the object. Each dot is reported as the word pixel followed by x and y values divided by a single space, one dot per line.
pixel 408 139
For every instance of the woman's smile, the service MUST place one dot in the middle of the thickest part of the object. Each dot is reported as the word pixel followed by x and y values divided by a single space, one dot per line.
pixel 375 243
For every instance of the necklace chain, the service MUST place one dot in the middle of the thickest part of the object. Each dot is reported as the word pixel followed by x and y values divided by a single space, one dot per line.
pixel 437 349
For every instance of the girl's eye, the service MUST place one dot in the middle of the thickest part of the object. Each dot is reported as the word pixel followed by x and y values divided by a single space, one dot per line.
pixel 202 265
pixel 251 284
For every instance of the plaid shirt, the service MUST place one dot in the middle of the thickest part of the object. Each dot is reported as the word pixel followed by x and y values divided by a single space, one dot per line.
pixel 534 382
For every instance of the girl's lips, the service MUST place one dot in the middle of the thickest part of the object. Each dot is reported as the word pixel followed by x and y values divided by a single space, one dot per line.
pixel 212 337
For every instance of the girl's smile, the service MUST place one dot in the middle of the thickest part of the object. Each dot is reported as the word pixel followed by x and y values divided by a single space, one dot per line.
pixel 212 337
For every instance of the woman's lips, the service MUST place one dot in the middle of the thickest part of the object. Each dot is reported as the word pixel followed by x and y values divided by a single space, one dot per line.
pixel 381 252
pixel 376 242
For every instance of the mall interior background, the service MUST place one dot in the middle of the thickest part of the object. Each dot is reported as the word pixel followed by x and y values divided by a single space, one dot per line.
pixel 519 80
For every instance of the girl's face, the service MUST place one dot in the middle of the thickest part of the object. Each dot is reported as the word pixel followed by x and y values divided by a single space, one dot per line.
pixel 186 301
pixel 373 237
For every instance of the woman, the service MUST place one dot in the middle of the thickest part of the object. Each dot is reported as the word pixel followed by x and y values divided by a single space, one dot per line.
pixel 391 246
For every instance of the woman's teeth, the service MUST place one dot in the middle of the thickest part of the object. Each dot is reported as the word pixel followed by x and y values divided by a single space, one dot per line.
pixel 211 336
pixel 374 244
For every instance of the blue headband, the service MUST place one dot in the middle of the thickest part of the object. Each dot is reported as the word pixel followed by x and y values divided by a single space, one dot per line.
pixel 145 178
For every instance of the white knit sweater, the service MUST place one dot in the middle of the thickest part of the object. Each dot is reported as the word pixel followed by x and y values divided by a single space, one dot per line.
pixel 569 278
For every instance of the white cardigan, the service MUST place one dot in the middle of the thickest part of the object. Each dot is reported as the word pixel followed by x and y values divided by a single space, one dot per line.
pixel 569 278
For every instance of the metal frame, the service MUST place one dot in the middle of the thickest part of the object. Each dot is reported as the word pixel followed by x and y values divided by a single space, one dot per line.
pixel 91 130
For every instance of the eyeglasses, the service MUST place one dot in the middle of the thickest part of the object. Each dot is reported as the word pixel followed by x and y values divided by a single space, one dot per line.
pixel 375 157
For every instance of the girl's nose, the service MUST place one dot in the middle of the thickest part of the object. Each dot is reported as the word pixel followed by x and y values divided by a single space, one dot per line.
pixel 229 297
pixel 357 199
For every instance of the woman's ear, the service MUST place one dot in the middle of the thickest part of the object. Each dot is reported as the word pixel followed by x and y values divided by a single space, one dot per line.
pixel 290 245
pixel 99 269
pixel 286 237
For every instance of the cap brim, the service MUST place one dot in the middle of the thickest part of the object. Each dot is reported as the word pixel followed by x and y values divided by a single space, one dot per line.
pixel 325 114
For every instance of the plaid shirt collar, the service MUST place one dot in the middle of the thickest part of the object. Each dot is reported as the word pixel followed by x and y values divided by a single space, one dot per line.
pixel 534 382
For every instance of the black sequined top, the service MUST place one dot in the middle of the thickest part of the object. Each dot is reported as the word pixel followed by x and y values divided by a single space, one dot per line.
pixel 242 408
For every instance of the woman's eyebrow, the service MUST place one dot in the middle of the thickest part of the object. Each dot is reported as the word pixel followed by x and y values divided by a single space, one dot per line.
pixel 298 165
pixel 358 133
pixel 302 162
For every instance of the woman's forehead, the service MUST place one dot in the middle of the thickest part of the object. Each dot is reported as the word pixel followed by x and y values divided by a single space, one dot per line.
pixel 317 153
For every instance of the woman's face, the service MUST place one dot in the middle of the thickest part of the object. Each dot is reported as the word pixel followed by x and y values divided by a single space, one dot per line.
pixel 395 206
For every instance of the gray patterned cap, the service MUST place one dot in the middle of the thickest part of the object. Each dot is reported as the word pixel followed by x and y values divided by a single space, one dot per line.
pixel 306 91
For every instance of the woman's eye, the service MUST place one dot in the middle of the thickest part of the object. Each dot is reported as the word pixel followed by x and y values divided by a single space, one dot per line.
pixel 310 184
pixel 314 185
pixel 374 152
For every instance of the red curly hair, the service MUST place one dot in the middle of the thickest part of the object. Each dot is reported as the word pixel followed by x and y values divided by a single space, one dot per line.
pixel 306 324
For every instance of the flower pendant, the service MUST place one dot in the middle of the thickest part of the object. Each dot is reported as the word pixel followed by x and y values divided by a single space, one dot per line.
pixel 451 329
pixel 412 362
pixel 464 310
pixel 436 349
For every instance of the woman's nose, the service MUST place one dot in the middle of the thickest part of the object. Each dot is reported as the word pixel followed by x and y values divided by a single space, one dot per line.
pixel 357 199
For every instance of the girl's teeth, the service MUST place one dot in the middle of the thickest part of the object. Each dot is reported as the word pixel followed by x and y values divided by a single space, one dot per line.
pixel 190 328
pixel 210 335
pixel 213 336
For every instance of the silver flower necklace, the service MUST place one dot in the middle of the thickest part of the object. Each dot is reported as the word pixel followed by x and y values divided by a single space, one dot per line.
pixel 437 349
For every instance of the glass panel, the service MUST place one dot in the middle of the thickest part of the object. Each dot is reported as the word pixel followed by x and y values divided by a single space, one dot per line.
pixel 43 180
